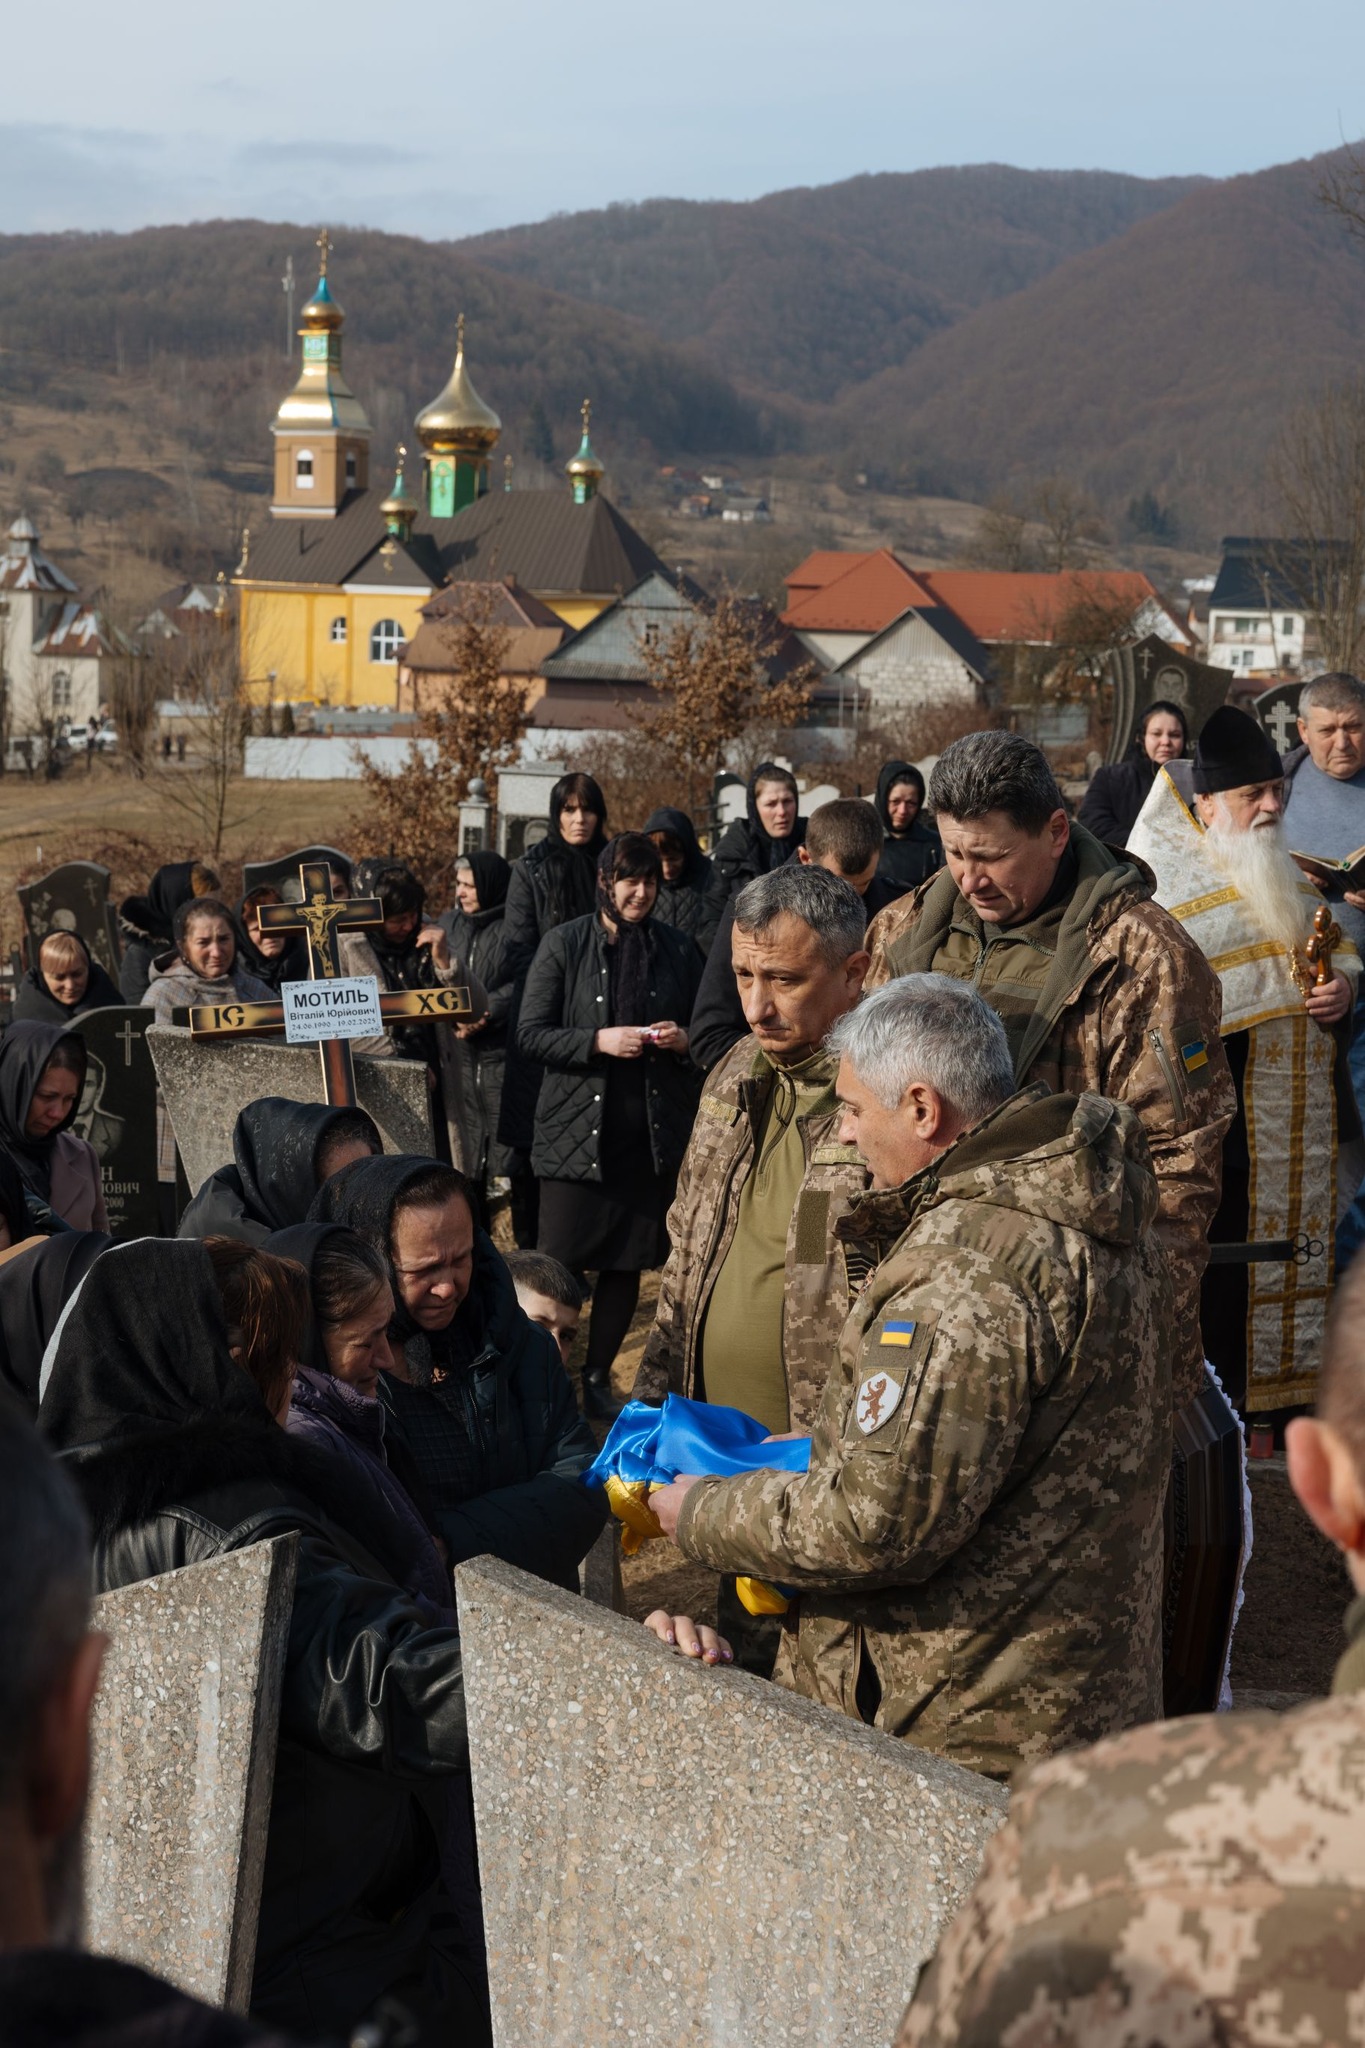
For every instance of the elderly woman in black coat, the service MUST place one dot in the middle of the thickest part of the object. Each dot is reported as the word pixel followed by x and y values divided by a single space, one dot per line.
pixel 601 1015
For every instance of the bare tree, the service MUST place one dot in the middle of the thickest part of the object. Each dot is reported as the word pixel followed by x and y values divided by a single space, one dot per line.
pixel 202 671
pixel 1070 523
pixel 715 683
pixel 1317 474
pixel 1000 539
pixel 1342 188
pixel 475 728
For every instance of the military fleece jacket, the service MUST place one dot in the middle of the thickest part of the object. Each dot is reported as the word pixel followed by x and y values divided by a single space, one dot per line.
pixel 978 1539
pixel 1198 1882
pixel 1129 1008
pixel 701 1230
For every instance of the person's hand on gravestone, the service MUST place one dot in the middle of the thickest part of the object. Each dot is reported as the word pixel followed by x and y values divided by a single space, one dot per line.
pixel 666 1501
pixel 689 1638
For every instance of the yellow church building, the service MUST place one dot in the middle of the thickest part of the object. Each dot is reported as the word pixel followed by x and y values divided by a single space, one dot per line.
pixel 333 585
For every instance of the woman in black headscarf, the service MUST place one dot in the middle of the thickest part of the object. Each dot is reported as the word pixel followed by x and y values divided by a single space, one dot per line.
pixel 605 1013
pixel 912 849
pixel 272 957
pixel 66 982
pixel 42 1074
pixel 555 880
pixel 282 1153
pixel 768 834
pixel 166 1388
pixel 475 929
pixel 148 921
pixel 693 892
pixel 1117 793
pixel 36 1283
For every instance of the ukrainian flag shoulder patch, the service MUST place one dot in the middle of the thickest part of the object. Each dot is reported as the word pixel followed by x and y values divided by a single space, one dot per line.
pixel 1194 1055
pixel 897 1333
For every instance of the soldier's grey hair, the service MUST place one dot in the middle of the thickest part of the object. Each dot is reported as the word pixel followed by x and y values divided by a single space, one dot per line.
pixel 995 771
pixel 1334 692
pixel 933 1029
pixel 44 1583
pixel 825 902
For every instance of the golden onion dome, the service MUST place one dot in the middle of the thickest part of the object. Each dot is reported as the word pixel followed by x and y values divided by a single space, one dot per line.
pixel 322 314
pixel 587 464
pixel 458 418
pixel 400 506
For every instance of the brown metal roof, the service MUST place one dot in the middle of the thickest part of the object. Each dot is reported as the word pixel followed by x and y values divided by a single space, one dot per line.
pixel 541 538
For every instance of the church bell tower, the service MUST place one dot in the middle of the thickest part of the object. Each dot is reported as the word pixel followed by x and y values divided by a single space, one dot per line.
pixel 322 436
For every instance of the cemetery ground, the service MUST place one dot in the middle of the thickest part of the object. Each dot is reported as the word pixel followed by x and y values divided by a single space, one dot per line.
pixel 132 825
pixel 1289 1635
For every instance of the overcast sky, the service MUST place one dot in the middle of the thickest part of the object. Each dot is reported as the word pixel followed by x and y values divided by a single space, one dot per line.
pixel 445 120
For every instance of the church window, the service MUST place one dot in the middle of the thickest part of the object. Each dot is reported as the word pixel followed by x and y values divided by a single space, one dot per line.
pixel 337 632
pixel 351 470
pixel 303 469
pixel 385 640
pixel 61 691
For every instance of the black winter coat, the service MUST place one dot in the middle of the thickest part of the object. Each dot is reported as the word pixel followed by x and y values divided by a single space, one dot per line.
pixel 909 860
pixel 35 1002
pixel 490 1420
pixel 693 904
pixel 567 1000
pixel 1116 794
pixel 178 1461
pixel 478 943
pixel 550 884
pixel 746 850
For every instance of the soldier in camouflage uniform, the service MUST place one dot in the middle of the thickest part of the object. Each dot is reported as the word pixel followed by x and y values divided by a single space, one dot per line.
pixel 796 916
pixel 1098 987
pixel 1200 1883
pixel 976 1549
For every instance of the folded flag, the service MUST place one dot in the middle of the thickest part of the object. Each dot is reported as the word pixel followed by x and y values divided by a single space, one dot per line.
pixel 648 1447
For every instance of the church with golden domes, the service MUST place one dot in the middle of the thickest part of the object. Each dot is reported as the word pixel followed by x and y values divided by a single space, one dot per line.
pixel 332 586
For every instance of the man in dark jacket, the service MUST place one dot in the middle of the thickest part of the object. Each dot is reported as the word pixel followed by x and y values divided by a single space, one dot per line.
pixel 844 838
pixel 486 1409
pixel 50 1990
pixel 912 850
pixel 693 891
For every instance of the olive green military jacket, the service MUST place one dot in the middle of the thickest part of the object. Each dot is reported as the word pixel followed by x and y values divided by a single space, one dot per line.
pixel 1199 1883
pixel 980 1530
pixel 701 1227
pixel 1127 1007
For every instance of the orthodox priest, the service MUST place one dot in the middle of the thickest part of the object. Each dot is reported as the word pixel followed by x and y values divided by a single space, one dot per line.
pixel 1224 871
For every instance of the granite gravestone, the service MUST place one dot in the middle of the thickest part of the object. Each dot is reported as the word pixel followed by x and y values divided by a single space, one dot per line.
pixel 117 1115
pixel 1151 671
pixel 73 898
pixel 183 1761
pixel 283 873
pixel 1278 711
pixel 206 1086
pixel 671 1854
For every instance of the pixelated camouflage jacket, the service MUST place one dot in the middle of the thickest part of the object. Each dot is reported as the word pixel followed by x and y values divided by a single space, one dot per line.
pixel 1199 1883
pixel 981 1523
pixel 701 1228
pixel 1131 1010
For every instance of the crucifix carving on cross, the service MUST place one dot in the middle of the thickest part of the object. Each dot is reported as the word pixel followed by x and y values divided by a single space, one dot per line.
pixel 323 917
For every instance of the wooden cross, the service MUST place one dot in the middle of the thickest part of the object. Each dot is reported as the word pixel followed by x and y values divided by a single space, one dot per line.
pixel 323 917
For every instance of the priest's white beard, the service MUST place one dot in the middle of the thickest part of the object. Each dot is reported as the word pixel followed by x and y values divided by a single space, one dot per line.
pixel 1259 866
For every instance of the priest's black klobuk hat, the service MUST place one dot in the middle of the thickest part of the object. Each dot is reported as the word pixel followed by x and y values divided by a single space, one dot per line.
pixel 1233 752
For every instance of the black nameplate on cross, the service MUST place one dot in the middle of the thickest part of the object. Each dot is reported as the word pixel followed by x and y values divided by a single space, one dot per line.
pixel 323 917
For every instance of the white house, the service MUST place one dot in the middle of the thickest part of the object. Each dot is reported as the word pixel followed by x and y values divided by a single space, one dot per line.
pixel 54 652
pixel 1258 607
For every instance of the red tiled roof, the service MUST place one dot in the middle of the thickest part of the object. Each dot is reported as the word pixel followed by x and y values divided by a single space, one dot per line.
pixel 820 568
pixel 865 599
pixel 1007 604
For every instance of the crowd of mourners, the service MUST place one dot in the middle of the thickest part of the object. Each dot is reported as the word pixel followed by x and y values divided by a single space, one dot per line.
pixel 919 1105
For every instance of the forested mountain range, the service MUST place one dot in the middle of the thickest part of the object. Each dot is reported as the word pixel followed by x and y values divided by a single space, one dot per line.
pixel 955 331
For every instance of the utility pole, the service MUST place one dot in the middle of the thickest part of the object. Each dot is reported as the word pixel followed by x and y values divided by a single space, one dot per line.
pixel 287 282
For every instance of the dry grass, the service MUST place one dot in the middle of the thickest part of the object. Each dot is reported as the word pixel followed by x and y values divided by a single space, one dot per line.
pixel 109 815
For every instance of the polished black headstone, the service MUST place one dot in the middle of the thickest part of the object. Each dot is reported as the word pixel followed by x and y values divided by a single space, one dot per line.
pixel 73 898
pixel 283 874
pixel 117 1115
